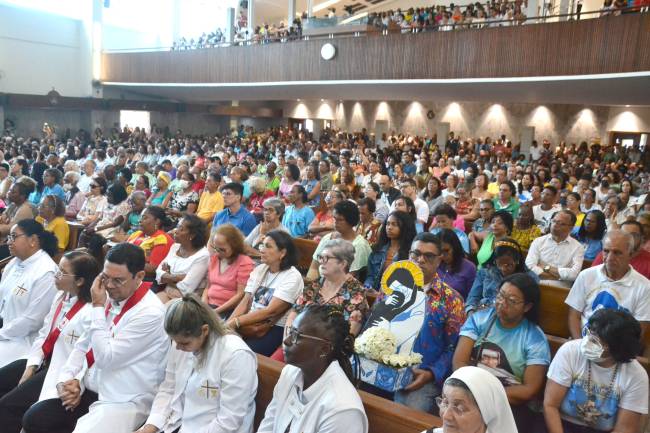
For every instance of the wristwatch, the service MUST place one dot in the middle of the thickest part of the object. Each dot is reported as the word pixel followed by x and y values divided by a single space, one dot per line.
pixel 547 268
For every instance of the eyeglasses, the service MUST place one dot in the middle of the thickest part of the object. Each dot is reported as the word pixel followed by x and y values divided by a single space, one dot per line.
pixel 594 338
pixel 294 335
pixel 12 237
pixel 457 409
pixel 94 185
pixel 322 259
pixel 59 274
pixel 509 301
pixel 114 282
pixel 429 257
pixel 262 247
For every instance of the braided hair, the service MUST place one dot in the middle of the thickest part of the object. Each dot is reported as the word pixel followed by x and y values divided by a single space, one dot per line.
pixel 337 328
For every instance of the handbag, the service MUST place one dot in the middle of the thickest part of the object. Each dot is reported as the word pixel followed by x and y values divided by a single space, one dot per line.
pixel 261 328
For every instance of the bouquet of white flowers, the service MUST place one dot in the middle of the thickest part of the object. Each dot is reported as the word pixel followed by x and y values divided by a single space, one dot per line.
pixel 376 343
pixel 399 360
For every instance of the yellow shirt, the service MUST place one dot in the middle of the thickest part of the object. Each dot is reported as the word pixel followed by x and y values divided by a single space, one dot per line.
pixel 209 204
pixel 493 188
pixel 58 226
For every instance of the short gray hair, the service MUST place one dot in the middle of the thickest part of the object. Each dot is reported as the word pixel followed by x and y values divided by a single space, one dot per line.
pixel 276 204
pixel 629 238
pixel 72 175
pixel 342 250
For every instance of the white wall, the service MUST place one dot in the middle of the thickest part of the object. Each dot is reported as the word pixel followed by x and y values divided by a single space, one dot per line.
pixel 39 51
pixel 572 123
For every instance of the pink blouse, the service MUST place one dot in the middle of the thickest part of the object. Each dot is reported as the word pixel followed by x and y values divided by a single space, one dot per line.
pixel 222 287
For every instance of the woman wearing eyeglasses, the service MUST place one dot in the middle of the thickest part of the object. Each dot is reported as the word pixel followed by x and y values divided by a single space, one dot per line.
pixel 229 269
pixel 96 202
pixel 210 381
pixel 595 383
pixel 26 288
pixel 474 401
pixel 26 381
pixel 271 290
pixel 315 391
pixel 273 209
pixel 506 341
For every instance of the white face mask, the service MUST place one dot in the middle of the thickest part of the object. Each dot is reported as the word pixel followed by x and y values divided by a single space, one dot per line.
pixel 592 350
pixel 184 183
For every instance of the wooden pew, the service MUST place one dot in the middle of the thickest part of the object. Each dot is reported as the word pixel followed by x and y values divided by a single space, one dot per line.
pixel 306 248
pixel 75 231
pixel 553 312
pixel 384 416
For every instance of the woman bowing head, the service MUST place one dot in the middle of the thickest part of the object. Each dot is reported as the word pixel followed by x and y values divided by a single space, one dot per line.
pixel 315 391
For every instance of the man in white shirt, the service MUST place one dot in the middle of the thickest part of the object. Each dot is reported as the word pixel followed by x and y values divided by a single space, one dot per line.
pixel 408 188
pixel 557 257
pixel 87 177
pixel 544 212
pixel 373 176
pixel 614 284
pixel 589 201
pixel 122 355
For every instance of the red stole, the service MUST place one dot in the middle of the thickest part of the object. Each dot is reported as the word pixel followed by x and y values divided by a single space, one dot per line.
pixel 53 336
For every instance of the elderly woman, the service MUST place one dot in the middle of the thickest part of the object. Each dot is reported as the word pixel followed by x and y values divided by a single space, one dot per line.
pixel 317 348
pixel 152 238
pixel 273 209
pixel 590 234
pixel 51 213
pixel 185 200
pixel 474 401
pixel 272 289
pixel 184 268
pixel 258 196
pixel 323 222
pixel 595 383
pixel 205 354
pixel 26 288
pixel 506 341
pixel 95 203
pixel 74 197
pixel 228 270
pixel 507 259
pixel 161 194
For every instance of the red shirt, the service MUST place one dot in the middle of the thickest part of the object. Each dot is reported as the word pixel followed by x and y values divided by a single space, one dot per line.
pixel 640 262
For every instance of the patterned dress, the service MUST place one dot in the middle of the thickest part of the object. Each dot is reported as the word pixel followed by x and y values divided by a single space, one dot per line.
pixel 351 296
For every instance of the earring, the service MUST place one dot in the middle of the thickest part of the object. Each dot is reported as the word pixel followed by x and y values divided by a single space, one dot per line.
pixel 323 355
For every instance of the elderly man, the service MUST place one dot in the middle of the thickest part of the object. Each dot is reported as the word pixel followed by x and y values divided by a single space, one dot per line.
pixel 640 258
pixel 614 284
pixel 556 257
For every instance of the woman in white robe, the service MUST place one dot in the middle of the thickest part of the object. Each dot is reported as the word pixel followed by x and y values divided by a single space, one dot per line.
pixel 26 381
pixel 211 377
pixel 26 288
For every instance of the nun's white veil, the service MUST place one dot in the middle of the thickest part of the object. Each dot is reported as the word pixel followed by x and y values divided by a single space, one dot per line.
pixel 490 397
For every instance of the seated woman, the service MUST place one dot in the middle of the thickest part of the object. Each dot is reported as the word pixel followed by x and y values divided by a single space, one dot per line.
pixel 51 213
pixel 595 383
pixel 482 244
pixel 152 238
pixel 454 269
pixel 323 223
pixel 258 196
pixel 272 220
pixel 590 234
pixel 185 200
pixel 109 226
pixel 26 288
pixel 27 381
pixel 506 341
pixel 405 204
pixel 573 204
pixel 272 289
pixel 131 223
pixel 161 194
pixel 74 197
pixel 507 259
pixel 525 231
pixel 95 203
pixel 20 208
pixel 183 270
pixel 312 183
pixel 315 391
pixel 395 238
pixel 474 401
pixel 229 269
pixel 205 357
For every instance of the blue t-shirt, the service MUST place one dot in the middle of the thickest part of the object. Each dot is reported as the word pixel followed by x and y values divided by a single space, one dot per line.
pixel 592 246
pixel 506 352
pixel 56 190
pixel 297 220
pixel 242 219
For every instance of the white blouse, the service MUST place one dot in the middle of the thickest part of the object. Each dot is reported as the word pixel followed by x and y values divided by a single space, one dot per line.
pixel 217 396
pixel 195 268
pixel 26 293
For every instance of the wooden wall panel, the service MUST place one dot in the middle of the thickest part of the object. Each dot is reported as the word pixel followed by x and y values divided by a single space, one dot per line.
pixel 593 46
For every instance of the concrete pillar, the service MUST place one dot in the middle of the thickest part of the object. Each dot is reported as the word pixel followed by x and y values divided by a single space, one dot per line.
pixel 442 132
pixel 234 121
pixel 534 9
pixel 527 137
pixel 230 25
pixel 251 18
pixel 564 9
pixel 291 15
pixel 310 8
pixel 318 128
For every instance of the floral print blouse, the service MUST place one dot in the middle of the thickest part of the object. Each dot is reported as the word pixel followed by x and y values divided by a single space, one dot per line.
pixel 351 296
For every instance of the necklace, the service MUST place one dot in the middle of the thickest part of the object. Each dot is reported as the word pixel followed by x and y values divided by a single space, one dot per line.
pixel 589 411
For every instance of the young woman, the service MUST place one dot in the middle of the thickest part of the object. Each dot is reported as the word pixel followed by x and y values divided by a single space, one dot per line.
pixel 432 194
pixel 590 234
pixel 480 192
pixel 573 204
pixel 315 391
pixel 500 227
pixel 27 381
pixel 312 183
pixel 454 269
pixel 210 381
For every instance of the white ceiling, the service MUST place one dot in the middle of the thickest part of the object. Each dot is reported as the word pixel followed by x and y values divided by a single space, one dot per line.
pixel 623 89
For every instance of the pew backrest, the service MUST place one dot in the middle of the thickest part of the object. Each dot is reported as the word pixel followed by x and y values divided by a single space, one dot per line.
pixel 553 312
pixel 384 416
pixel 306 249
